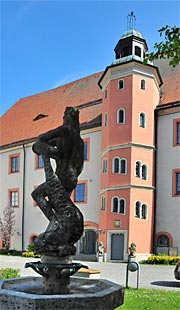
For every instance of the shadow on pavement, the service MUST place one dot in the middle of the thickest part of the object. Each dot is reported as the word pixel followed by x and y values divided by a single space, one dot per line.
pixel 166 283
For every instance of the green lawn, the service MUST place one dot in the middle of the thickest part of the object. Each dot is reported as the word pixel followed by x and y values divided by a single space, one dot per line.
pixel 144 299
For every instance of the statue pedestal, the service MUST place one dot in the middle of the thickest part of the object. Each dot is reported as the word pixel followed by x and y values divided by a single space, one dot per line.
pixel 57 279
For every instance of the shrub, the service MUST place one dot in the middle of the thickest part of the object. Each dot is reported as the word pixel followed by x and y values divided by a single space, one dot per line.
pixel 161 260
pixel 12 252
pixel 7 273
pixel 30 254
pixel 30 247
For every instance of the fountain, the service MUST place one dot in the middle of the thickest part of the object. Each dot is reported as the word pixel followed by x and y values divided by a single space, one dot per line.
pixel 58 288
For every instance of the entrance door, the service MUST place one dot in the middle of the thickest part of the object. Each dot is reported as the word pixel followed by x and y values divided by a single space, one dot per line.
pixel 117 246
pixel 88 242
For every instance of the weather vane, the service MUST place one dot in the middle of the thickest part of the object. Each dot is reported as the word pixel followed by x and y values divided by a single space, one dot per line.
pixel 131 21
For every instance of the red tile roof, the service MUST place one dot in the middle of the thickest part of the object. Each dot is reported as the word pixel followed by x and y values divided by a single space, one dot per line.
pixel 19 124
pixel 171 81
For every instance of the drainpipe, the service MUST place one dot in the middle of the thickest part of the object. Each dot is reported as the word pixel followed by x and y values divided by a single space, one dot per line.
pixel 155 176
pixel 23 193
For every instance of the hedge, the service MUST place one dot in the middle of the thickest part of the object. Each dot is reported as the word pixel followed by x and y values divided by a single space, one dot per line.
pixel 162 260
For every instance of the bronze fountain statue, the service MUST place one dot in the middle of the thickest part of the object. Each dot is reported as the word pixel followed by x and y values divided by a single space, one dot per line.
pixel 65 146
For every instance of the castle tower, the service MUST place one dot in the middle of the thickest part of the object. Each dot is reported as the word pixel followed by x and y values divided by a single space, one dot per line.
pixel 130 94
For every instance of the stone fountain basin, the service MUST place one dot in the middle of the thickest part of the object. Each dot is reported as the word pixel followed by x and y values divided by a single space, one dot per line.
pixel 26 293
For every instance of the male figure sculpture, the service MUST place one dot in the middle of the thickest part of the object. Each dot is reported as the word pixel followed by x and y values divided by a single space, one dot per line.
pixel 65 145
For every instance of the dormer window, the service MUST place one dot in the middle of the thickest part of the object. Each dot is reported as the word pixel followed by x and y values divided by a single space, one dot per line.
pixel 39 116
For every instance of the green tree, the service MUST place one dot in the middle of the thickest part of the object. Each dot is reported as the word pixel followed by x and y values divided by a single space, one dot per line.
pixel 169 48
pixel 7 225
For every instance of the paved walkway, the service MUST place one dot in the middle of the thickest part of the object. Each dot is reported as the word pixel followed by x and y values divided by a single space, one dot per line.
pixel 154 277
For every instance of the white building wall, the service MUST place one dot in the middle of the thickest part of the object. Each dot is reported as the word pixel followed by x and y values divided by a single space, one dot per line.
pixel 11 181
pixel 168 158
pixel 34 220
pixel 91 173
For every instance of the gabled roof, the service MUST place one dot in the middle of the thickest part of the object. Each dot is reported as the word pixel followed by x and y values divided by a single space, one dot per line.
pixel 170 89
pixel 38 113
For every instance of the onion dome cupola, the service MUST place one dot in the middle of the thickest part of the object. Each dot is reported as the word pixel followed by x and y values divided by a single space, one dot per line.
pixel 132 45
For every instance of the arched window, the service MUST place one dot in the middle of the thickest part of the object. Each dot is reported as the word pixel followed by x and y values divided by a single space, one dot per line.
pixel 115 205
pixel 104 165
pixel 142 120
pixel 119 165
pixel 105 120
pixel 121 116
pixel 137 51
pixel 105 93
pixel 144 172
pixel 137 209
pixel 163 241
pixel 144 211
pixel 116 165
pixel 143 84
pixel 103 203
pixel 122 206
pixel 138 169
pixel 123 166
pixel 120 84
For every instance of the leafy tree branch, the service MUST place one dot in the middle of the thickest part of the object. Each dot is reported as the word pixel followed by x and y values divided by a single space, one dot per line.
pixel 168 48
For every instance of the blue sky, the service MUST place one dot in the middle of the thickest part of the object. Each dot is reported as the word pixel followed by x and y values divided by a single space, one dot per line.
pixel 45 44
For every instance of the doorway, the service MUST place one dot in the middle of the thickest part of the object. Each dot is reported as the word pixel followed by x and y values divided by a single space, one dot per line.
pixel 117 246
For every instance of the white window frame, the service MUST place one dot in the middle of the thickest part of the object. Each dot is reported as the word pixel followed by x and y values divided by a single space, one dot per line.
pixel 124 116
pixel 144 84
pixel 118 208
pixel 124 173
pixel 104 165
pixel 144 120
pixel 119 170
pixel 124 205
pixel 141 204
pixel 105 119
pixel 113 161
pixel 103 203
pixel 141 165
pixel 119 83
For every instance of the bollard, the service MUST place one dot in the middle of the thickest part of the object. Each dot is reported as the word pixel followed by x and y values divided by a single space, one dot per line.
pixel 132 266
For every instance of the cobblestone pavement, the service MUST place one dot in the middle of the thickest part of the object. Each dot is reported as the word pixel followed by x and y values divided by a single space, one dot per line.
pixel 154 277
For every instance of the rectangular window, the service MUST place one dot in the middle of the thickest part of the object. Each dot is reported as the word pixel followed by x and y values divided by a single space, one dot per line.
pixel 86 148
pixel 14 163
pixel 176 182
pixel 85 151
pixel 79 193
pixel 39 164
pixel 14 197
pixel 176 132
pixel 120 84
